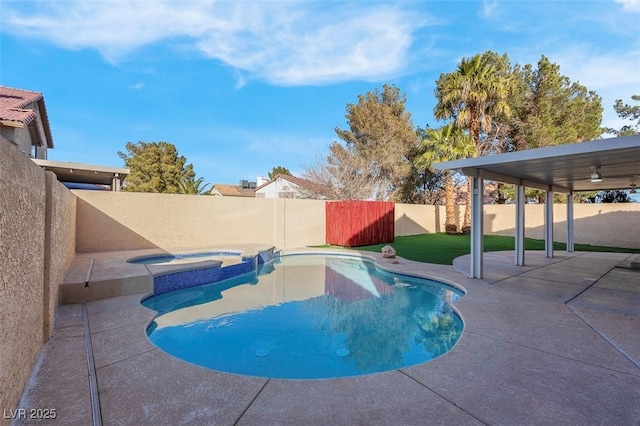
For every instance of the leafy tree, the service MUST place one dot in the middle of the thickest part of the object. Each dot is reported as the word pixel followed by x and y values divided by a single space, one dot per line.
pixel 422 185
pixel 444 144
pixel 192 186
pixel 382 135
pixel 627 112
pixel 508 194
pixel 616 196
pixel 472 95
pixel 155 167
pixel 549 109
pixel 278 170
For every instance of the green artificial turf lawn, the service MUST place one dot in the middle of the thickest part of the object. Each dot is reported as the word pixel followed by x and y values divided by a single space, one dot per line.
pixel 443 248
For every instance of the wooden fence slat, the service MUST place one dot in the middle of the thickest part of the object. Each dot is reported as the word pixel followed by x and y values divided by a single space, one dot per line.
pixel 359 223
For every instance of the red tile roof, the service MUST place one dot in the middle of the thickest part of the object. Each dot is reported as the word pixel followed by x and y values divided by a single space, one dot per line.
pixel 16 109
pixel 14 103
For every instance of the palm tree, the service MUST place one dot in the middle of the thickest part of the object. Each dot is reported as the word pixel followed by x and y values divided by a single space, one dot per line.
pixel 472 95
pixel 447 143
pixel 193 186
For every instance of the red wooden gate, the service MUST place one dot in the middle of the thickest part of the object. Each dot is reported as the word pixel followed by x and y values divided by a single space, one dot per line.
pixel 359 223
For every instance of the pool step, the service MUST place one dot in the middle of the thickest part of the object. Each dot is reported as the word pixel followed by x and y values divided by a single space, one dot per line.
pixel 95 276
pixel 71 293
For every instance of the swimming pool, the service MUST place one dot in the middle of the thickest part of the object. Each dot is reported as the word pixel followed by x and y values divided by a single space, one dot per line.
pixel 312 316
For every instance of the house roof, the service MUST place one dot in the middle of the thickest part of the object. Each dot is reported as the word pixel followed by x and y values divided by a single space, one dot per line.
pixel 15 109
pixel 564 168
pixel 228 190
pixel 304 183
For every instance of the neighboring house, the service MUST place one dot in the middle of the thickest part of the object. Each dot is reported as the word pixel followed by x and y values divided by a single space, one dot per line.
pixel 245 189
pixel 24 121
pixel 287 186
pixel 25 124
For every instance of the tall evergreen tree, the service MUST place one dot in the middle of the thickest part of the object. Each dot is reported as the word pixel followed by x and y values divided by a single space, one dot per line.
pixel 155 167
pixel 278 170
pixel 382 134
pixel 549 109
pixel 627 112
pixel 424 185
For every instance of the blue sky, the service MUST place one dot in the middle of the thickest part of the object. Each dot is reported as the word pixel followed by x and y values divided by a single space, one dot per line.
pixel 240 87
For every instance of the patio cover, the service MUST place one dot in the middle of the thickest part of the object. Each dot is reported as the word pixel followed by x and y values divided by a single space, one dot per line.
pixel 565 169
pixel 85 173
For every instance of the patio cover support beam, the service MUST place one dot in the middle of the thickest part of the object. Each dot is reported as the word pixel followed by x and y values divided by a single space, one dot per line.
pixel 499 177
pixel 548 223
pixel 570 247
pixel 545 187
pixel 520 203
pixel 487 175
pixel 115 182
pixel 477 231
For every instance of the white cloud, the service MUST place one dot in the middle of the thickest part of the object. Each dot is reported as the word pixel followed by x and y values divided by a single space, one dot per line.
pixel 137 86
pixel 488 6
pixel 286 43
pixel 630 5
pixel 299 49
pixel 613 75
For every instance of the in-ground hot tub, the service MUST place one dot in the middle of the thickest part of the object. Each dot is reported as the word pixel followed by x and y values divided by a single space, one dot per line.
pixel 180 258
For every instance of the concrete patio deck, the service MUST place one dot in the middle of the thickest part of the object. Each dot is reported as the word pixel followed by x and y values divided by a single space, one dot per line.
pixel 554 342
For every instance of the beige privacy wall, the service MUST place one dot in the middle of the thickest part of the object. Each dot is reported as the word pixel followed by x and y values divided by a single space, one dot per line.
pixel 37 231
pixel 60 244
pixel 613 225
pixel 121 220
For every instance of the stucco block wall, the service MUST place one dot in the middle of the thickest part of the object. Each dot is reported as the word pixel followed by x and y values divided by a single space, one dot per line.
pixel 414 219
pixel 60 244
pixel 22 207
pixel 109 221
pixel 33 254
pixel 613 225
pixel 303 223
pixel 604 224
pixel 596 224
pixel 121 221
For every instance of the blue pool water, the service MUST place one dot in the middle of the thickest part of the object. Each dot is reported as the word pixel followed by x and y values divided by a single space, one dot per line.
pixel 310 316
